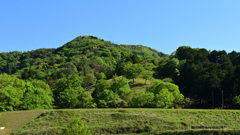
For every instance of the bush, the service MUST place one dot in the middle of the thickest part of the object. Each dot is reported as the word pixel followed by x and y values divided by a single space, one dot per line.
pixel 235 102
pixel 76 127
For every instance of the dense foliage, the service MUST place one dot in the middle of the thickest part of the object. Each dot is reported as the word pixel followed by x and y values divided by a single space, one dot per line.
pixel 208 77
pixel 88 72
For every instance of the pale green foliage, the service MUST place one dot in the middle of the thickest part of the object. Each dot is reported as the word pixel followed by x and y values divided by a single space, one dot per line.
pixel 147 75
pixel 120 86
pixel 107 95
pixel 143 100
pixel 101 76
pixel 11 91
pixel 156 86
pixel 172 88
pixel 16 94
pixel 166 94
pixel 38 95
pixel 148 66
pixel 76 127
pixel 164 99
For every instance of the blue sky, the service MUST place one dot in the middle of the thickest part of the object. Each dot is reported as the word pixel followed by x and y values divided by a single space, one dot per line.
pixel 163 25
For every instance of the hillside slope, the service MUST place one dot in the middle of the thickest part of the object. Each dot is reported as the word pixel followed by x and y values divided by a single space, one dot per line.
pixel 81 56
pixel 127 121
pixel 13 120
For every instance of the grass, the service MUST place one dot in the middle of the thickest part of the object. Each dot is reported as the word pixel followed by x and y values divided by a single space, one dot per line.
pixel 127 121
pixel 139 84
pixel 13 120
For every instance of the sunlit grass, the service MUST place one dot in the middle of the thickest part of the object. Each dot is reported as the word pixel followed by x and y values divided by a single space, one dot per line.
pixel 134 120
pixel 14 119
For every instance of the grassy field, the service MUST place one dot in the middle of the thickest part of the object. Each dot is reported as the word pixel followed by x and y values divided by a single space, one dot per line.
pixel 13 120
pixel 130 121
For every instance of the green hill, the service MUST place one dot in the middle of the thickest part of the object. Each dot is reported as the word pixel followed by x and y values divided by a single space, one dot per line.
pixel 74 57
pixel 88 45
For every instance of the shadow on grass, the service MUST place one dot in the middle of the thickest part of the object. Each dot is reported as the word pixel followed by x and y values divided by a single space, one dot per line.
pixel 137 84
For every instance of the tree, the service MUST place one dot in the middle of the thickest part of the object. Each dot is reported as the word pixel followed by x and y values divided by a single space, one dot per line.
pixel 167 66
pixel 70 69
pixel 145 100
pixel 174 90
pixel 3 63
pixel 164 99
pixel 38 95
pixel 132 71
pixel 16 94
pixel 166 94
pixel 88 79
pixel 86 100
pixel 147 75
pixel 11 92
pixel 135 59
pixel 71 94
pixel 69 97
pixel 100 86
pixel 218 57
pixel 106 96
pixel 235 103
pixel 101 76
pixel 71 81
pixel 120 86
pixel 76 98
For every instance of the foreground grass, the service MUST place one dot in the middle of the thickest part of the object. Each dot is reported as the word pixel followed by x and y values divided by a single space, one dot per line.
pixel 13 120
pixel 130 121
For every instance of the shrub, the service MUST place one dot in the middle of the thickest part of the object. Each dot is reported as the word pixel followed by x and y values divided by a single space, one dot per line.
pixel 76 127
pixel 235 102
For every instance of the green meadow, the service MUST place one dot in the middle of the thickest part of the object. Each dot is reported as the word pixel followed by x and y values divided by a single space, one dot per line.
pixel 124 121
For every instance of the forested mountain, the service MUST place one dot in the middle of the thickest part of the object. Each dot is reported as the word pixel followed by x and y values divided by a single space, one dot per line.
pixel 70 70
pixel 83 48
pixel 88 72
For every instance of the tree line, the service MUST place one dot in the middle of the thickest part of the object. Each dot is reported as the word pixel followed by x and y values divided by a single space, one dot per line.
pixel 210 78
pixel 88 72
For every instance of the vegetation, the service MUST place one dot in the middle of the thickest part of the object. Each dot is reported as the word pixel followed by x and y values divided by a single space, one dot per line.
pixel 201 75
pixel 12 120
pixel 88 72
pixel 127 121
pixel 76 127
pixel 76 76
